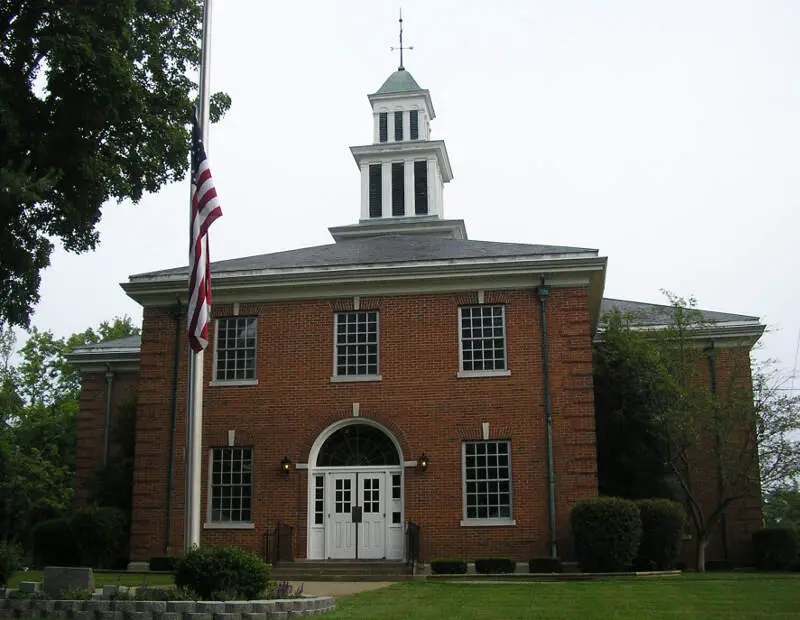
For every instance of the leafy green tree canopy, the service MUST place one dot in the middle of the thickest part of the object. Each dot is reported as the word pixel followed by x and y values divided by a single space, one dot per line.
pixel 94 104
pixel 38 416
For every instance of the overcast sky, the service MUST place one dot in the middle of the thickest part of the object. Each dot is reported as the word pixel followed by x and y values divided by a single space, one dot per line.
pixel 665 134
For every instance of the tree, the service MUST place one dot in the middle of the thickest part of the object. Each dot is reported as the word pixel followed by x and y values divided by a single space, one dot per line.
pixel 94 105
pixel 778 410
pixel 782 507
pixel 39 406
pixel 629 384
pixel 654 393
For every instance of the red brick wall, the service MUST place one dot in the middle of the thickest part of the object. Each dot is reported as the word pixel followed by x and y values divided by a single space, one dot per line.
pixel 90 432
pixel 744 516
pixel 420 400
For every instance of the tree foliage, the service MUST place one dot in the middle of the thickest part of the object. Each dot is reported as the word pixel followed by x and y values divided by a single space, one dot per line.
pixel 782 507
pixel 660 409
pixel 38 417
pixel 94 105
pixel 630 384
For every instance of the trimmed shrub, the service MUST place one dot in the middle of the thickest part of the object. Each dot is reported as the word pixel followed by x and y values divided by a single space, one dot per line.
pixel 607 531
pixel 54 544
pixel 164 564
pixel 545 565
pixel 217 572
pixel 487 566
pixel 775 548
pixel 101 533
pixel 10 561
pixel 449 566
pixel 662 529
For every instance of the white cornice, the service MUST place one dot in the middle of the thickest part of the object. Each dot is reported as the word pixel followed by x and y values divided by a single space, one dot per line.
pixel 99 360
pixel 403 278
pixel 423 93
pixel 386 150
pixel 724 334
pixel 425 225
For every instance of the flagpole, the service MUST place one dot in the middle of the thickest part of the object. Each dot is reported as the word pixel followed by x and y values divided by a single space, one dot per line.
pixel 194 418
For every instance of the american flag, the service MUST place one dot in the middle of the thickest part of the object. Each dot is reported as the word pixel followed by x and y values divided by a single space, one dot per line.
pixel 205 209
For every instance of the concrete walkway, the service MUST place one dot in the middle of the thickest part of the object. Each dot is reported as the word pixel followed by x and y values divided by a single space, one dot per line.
pixel 339 588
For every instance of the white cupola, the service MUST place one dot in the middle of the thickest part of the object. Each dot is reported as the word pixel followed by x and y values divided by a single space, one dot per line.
pixel 403 171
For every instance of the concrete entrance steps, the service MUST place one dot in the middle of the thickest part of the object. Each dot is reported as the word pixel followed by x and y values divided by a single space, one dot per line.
pixel 341 570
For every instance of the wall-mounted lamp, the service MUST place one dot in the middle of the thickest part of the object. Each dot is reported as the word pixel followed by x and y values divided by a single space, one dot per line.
pixel 422 462
pixel 286 465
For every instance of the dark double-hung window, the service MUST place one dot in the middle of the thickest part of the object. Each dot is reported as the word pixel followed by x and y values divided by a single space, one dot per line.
pixel 231 485
pixel 487 480
pixel 356 338
pixel 236 349
pixel 483 339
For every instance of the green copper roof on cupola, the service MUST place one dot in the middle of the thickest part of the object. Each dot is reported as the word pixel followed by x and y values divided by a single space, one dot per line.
pixel 399 82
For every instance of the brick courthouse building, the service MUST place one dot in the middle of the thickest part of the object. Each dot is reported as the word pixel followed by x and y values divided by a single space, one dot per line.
pixel 403 373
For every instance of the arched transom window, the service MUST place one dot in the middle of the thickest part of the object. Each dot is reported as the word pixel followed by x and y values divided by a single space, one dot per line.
pixel 357 444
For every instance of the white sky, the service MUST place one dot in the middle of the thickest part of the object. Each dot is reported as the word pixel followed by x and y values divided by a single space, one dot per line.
pixel 665 134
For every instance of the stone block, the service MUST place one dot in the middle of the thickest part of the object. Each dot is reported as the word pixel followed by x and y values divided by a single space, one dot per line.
pixel 29 587
pixel 20 604
pixel 137 615
pixel 180 607
pixel 60 578
pixel 43 608
pixel 110 615
pixel 153 607
pixel 252 615
pixel 238 607
pixel 167 615
pixel 197 615
pixel 97 605
pixel 123 606
pixel 210 607
pixel 277 615
pixel 227 616
pixel 82 615
pixel 264 607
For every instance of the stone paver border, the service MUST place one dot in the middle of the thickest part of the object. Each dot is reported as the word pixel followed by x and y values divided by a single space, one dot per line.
pixel 98 609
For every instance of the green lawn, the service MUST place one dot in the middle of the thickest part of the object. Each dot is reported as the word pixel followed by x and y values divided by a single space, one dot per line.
pixel 691 596
pixel 102 579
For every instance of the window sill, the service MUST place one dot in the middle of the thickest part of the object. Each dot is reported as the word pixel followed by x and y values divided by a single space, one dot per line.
pixel 472 374
pixel 488 522
pixel 355 378
pixel 229 525
pixel 236 383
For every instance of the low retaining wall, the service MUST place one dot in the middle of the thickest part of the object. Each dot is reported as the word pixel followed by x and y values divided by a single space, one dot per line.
pixel 166 610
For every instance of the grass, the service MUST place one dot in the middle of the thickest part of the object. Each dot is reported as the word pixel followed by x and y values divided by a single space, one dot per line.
pixel 102 579
pixel 719 595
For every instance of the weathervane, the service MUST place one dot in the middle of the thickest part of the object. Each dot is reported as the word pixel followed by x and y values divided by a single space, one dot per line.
pixel 401 48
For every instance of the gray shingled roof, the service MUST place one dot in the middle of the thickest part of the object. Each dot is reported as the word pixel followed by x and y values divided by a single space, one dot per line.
pixel 659 314
pixel 384 249
pixel 399 82
pixel 129 342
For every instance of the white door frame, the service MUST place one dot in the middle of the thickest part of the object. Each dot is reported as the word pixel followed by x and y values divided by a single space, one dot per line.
pixel 320 535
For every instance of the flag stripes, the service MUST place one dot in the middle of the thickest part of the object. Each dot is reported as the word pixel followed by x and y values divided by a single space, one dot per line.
pixel 205 209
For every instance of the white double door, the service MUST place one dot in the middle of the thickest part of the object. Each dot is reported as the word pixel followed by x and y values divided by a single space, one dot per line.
pixel 356 515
